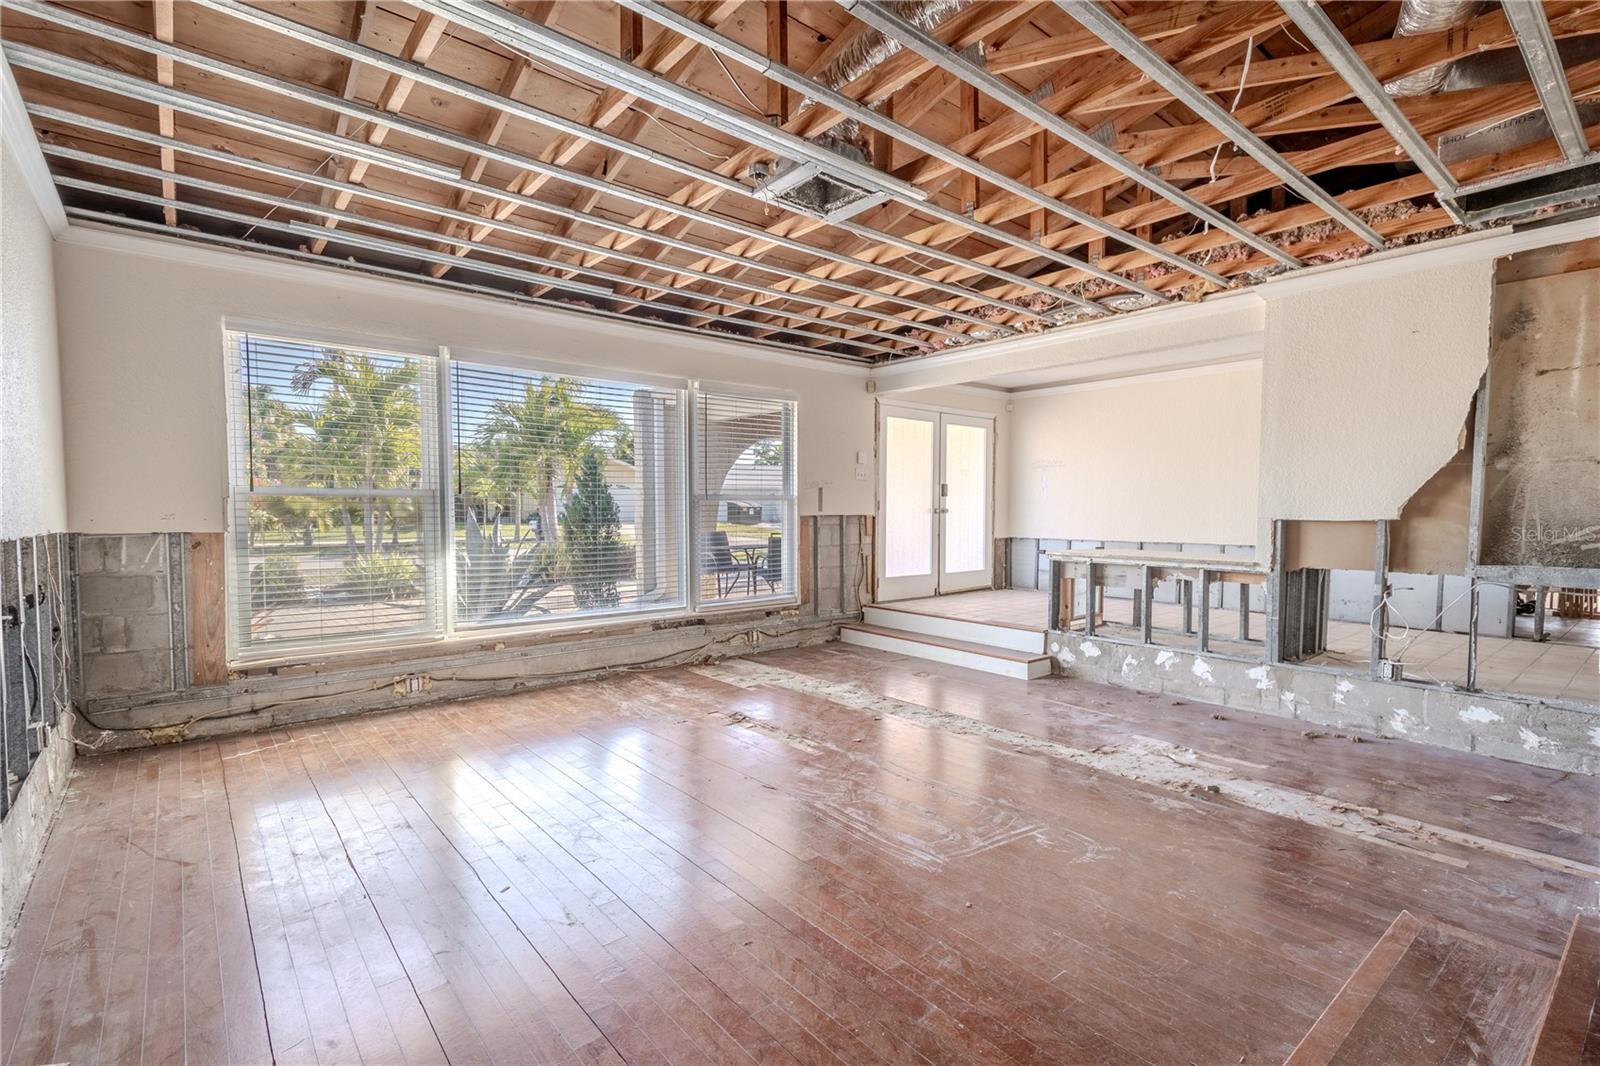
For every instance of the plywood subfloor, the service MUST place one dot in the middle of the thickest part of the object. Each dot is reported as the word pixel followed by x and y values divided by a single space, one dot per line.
pixel 1565 666
pixel 823 855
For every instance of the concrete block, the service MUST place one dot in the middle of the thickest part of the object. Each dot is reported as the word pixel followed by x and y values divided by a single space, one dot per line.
pixel 136 553
pixel 121 594
pixel 126 673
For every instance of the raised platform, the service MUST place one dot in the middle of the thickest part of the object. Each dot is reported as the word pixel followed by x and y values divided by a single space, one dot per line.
pixel 998 632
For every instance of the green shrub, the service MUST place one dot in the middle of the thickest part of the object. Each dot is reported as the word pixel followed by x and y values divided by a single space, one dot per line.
pixel 275 580
pixel 380 575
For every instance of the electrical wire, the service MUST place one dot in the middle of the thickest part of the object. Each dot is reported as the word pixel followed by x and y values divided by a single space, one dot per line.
pixel 679 137
pixel 759 113
pixel 1244 76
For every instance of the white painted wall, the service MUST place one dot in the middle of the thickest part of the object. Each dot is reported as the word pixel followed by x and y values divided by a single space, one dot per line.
pixel 1366 383
pixel 32 472
pixel 1169 457
pixel 143 384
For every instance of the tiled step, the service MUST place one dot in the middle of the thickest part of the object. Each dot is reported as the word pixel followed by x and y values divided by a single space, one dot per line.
pixel 1004 661
pixel 1428 994
pixel 1570 1032
pixel 992 634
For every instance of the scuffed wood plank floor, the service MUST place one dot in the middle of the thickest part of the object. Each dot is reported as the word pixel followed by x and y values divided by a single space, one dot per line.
pixel 669 867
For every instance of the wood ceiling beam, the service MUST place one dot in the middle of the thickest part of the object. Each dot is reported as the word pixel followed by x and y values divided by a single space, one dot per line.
pixel 778 49
pixel 664 56
pixel 161 16
pixel 969 25
pixel 1199 42
pixel 1488 31
pixel 1371 147
pixel 999 21
pixel 1569 19
pixel 425 35
pixel 1076 85
pixel 1155 25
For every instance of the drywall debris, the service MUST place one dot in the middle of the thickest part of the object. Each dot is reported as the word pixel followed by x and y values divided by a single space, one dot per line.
pixel 1532 741
pixel 1160 764
pixel 1499 798
pixel 1479 714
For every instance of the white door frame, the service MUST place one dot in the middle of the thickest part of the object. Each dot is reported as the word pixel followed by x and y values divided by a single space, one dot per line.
pixel 938 580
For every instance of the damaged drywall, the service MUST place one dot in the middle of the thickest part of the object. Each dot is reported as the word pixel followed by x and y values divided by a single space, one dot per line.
pixel 1365 385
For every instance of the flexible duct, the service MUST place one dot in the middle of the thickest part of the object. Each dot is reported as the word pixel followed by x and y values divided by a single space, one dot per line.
pixel 1427 16
pixel 872 48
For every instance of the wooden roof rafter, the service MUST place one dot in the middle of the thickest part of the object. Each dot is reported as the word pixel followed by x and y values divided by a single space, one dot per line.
pixel 982 252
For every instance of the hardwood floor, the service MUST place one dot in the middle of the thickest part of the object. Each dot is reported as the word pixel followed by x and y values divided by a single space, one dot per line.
pixel 823 855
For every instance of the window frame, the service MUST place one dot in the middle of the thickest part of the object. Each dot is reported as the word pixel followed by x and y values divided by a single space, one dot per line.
pixel 698 391
pixel 687 565
pixel 441 623
pixel 238 495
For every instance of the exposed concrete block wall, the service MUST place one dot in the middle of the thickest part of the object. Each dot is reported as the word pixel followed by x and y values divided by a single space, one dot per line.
pixel 136 687
pixel 126 621
pixel 1544 733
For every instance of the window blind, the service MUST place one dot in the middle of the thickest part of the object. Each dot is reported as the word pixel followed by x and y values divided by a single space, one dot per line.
pixel 744 498
pixel 569 496
pixel 336 524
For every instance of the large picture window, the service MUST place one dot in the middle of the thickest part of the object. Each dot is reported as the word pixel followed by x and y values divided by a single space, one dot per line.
pixel 382 496
pixel 335 521
pixel 568 495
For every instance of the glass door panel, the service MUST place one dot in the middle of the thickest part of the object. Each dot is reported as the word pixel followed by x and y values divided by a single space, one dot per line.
pixel 908 547
pixel 967 556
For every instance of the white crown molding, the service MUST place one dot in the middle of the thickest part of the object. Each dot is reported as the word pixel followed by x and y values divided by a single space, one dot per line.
pixel 18 139
pixel 266 264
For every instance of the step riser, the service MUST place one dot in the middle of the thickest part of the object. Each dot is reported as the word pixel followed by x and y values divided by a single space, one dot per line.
pixel 952 656
pixel 956 629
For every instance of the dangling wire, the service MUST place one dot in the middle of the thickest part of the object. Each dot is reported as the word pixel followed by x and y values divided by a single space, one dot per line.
pixel 1244 76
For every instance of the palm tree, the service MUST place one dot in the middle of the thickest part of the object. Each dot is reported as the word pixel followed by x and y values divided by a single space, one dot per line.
pixel 365 432
pixel 539 441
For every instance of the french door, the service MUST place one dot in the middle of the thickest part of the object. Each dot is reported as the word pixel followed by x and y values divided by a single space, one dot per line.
pixel 934 511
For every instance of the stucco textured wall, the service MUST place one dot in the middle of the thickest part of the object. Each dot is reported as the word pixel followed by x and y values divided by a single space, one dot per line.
pixel 1365 389
pixel 143 377
pixel 32 478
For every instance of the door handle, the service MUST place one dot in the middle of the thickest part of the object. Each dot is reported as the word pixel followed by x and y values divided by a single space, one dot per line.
pixel 941 510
